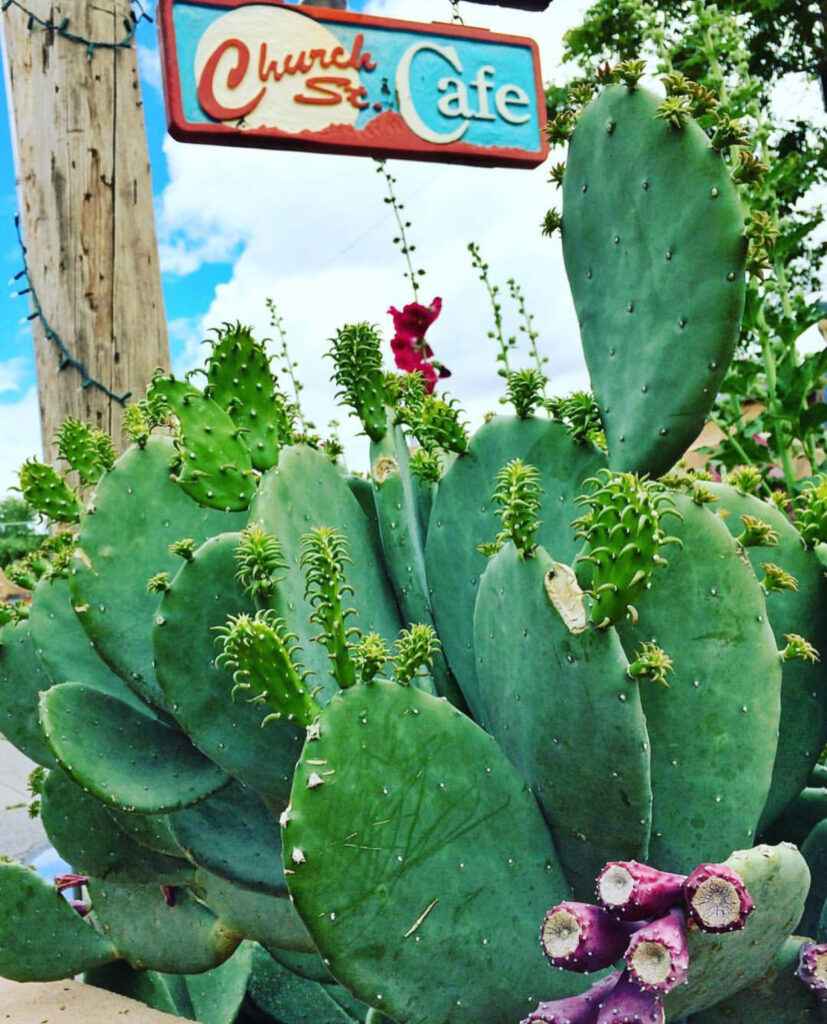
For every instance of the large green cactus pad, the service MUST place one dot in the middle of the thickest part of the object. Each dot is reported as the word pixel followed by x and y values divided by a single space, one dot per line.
pixel 564 711
pixel 63 645
pixel 713 729
pixel 234 835
pixel 777 880
pixel 22 678
pixel 112 566
pixel 654 250
pixel 463 517
pixel 803 727
pixel 85 835
pixel 41 937
pixel 184 938
pixel 228 730
pixel 126 758
pixel 307 490
pixel 420 862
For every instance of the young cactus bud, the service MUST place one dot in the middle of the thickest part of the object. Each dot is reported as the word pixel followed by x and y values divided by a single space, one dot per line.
pixel 323 556
pixel 553 221
pixel 637 892
pixel 88 450
pixel 580 1009
pixel 728 132
pixel 749 169
pixel 811 512
pixel 777 579
pixel 581 937
pixel 262 657
pixel 581 415
pixel 799 648
pixel 556 175
pixel 259 556
pixel 675 111
pixel 658 957
pixel 651 662
pixel 717 898
pixel 628 1003
pixel 524 390
pixel 48 493
pixel 439 426
pixel 357 356
pixel 624 535
pixel 184 548
pixel 746 479
pixel 414 649
pixel 370 655
pixel 757 533
pixel 629 72
pixel 812 968
pixel 426 465
pixel 158 584
pixel 517 497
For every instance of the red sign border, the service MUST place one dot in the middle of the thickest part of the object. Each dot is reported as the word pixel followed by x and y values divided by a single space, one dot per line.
pixel 271 138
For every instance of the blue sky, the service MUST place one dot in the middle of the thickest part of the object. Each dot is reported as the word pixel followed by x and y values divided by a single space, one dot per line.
pixel 312 232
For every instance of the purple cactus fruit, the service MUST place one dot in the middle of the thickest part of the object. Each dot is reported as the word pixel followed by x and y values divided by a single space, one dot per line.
pixel 81 906
pixel 636 892
pixel 628 1003
pixel 581 937
pixel 812 968
pixel 717 898
pixel 658 957
pixel 582 1009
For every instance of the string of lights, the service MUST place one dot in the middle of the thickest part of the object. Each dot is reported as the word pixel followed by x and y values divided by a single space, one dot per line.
pixel 137 14
pixel 66 360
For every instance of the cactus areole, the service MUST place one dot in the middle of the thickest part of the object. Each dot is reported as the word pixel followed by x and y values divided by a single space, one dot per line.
pixel 267 74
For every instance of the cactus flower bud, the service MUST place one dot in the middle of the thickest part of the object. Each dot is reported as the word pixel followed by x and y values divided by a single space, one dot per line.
pixel 581 937
pixel 717 898
pixel 582 1009
pixel 636 892
pixel 658 957
pixel 812 968
pixel 628 1003
pixel 63 882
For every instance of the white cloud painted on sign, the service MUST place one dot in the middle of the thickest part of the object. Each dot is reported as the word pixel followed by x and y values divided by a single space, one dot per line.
pixel 313 233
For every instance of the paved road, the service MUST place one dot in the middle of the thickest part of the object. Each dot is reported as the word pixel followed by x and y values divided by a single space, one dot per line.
pixel 21 837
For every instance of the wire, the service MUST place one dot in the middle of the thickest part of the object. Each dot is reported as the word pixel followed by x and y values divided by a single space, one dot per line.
pixel 137 14
pixel 66 359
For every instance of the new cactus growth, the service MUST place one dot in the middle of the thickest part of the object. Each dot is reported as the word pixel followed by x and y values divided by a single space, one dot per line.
pixel 375 725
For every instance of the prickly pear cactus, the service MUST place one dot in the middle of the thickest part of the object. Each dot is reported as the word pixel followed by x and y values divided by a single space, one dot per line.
pixel 327 748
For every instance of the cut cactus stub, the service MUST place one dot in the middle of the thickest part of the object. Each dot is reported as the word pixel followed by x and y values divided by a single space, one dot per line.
pixel 637 892
pixel 581 937
pixel 658 957
pixel 717 898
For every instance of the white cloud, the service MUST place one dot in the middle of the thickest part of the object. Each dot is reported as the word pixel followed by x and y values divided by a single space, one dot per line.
pixel 12 372
pixel 314 233
pixel 23 442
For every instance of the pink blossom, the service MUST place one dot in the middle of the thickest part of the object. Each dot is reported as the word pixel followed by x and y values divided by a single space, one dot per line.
pixel 411 352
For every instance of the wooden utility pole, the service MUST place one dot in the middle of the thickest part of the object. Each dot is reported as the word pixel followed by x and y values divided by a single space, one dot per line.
pixel 85 197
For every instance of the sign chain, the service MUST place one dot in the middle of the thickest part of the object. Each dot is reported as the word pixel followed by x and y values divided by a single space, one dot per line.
pixel 455 15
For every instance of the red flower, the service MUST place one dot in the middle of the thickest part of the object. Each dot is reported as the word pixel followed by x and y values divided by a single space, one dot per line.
pixel 411 352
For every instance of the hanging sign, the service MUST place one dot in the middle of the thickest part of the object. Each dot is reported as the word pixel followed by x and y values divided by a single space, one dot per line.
pixel 276 75
pixel 523 5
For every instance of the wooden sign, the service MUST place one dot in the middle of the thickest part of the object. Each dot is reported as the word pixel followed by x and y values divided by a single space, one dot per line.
pixel 523 5
pixel 276 75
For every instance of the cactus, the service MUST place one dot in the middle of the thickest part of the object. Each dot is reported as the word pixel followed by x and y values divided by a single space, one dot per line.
pixel 378 726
